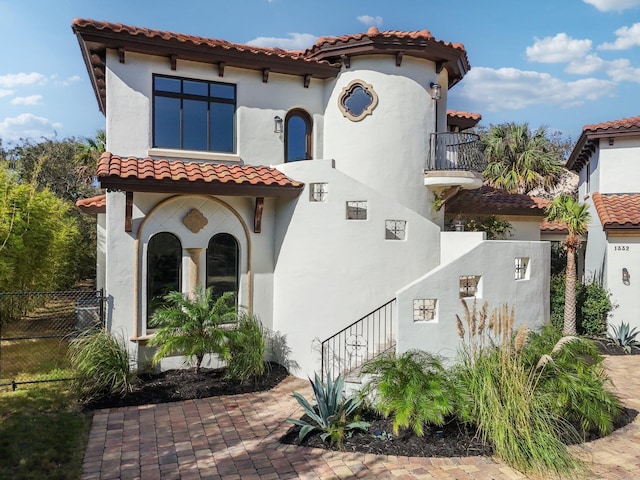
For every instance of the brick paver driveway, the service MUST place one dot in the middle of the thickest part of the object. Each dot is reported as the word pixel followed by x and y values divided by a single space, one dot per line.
pixel 236 437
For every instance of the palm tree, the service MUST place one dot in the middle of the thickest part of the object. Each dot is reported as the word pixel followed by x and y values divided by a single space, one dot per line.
pixel 521 160
pixel 194 326
pixel 576 217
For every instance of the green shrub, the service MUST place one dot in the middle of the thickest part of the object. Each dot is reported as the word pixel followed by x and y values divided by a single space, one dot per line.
pixel 101 366
pixel 247 349
pixel 333 413
pixel 593 304
pixel 593 307
pixel 194 327
pixel 413 389
pixel 571 380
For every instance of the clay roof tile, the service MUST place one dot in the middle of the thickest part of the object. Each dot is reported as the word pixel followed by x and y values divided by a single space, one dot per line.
pixel 618 211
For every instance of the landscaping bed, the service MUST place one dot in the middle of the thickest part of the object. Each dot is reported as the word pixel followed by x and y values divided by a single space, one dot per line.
pixel 177 385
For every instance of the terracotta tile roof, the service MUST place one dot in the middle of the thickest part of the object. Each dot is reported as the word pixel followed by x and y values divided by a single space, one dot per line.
pixel 622 124
pixel 589 138
pixel 83 23
pixel 618 211
pixel 95 37
pixel 422 44
pixel 462 120
pixel 487 200
pixel 97 204
pixel 147 174
pixel 553 227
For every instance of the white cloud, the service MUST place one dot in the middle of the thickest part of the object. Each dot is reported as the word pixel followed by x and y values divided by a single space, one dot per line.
pixel 369 21
pixel 627 37
pixel 586 65
pixel 27 125
pixel 30 100
pixel 608 5
pixel 5 92
pixel 66 82
pixel 558 49
pixel 513 89
pixel 621 70
pixel 16 79
pixel 297 41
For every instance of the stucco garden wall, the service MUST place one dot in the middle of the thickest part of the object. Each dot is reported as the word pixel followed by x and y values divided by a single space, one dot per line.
pixel 494 262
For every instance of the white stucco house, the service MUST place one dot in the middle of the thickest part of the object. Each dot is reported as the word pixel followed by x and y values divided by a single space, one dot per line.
pixel 304 181
pixel 606 159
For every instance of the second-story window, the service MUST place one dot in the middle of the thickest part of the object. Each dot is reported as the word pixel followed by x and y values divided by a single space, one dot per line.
pixel 297 136
pixel 193 114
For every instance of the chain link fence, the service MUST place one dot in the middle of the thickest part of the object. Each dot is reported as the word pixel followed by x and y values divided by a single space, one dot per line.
pixel 35 331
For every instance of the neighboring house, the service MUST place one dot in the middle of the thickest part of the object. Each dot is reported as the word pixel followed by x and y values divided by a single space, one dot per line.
pixel 302 181
pixel 606 159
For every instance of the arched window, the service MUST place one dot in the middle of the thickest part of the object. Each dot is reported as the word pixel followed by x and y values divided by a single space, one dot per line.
pixel 164 258
pixel 222 264
pixel 297 136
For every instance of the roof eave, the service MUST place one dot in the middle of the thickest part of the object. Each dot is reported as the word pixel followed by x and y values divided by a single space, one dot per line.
pixel 200 187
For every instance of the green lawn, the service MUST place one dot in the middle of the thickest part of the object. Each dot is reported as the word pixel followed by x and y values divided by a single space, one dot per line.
pixel 42 434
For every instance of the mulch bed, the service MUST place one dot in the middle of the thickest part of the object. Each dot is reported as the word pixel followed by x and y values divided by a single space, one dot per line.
pixel 176 385
pixel 450 440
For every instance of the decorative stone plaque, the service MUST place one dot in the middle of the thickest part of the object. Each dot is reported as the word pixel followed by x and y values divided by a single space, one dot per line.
pixel 194 220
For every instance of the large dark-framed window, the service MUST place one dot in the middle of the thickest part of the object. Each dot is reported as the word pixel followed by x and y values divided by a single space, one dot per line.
pixel 164 262
pixel 223 254
pixel 193 114
pixel 297 136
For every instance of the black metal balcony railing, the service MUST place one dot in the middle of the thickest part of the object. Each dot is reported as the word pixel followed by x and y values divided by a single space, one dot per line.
pixel 456 151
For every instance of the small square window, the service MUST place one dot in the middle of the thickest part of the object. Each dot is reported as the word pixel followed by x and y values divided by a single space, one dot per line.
pixel 424 310
pixel 356 210
pixel 318 192
pixel 395 229
pixel 522 265
pixel 469 285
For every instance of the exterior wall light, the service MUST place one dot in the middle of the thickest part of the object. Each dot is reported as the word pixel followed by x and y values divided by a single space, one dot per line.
pixel 625 276
pixel 436 91
pixel 458 225
pixel 278 124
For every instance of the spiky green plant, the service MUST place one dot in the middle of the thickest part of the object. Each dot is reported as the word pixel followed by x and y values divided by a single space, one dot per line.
pixel 100 363
pixel 247 348
pixel 333 414
pixel 623 336
pixel 195 326
pixel 412 388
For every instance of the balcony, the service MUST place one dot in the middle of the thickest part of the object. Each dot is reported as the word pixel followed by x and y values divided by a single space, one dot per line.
pixel 455 159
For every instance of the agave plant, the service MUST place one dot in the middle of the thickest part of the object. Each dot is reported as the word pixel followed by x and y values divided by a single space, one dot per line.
pixel 623 336
pixel 333 412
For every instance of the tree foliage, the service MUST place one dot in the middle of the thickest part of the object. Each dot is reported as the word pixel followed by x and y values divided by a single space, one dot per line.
pixel 45 241
pixel 38 237
pixel 576 217
pixel 520 159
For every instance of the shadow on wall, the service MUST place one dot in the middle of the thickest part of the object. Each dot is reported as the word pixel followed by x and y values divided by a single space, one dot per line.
pixel 279 351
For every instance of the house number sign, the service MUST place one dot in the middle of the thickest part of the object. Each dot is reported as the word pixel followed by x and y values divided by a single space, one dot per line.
pixel 621 248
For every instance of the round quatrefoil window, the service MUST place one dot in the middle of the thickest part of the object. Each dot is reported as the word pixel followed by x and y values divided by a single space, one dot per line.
pixel 357 100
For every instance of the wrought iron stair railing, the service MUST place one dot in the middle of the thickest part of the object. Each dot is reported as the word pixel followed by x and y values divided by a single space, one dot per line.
pixel 363 340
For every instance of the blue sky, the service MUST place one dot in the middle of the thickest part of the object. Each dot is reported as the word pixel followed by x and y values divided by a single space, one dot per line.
pixel 558 63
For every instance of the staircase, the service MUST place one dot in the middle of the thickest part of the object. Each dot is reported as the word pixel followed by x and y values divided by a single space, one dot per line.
pixel 365 339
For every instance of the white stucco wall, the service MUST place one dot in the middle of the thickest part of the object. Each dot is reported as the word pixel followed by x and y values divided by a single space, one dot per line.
pixel 619 170
pixel 454 244
pixel 624 252
pixel 331 271
pixel 129 122
pixel 494 261
pixel 101 249
pixel 388 149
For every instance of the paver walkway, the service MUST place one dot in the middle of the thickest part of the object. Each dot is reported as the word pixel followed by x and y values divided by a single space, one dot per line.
pixel 236 437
